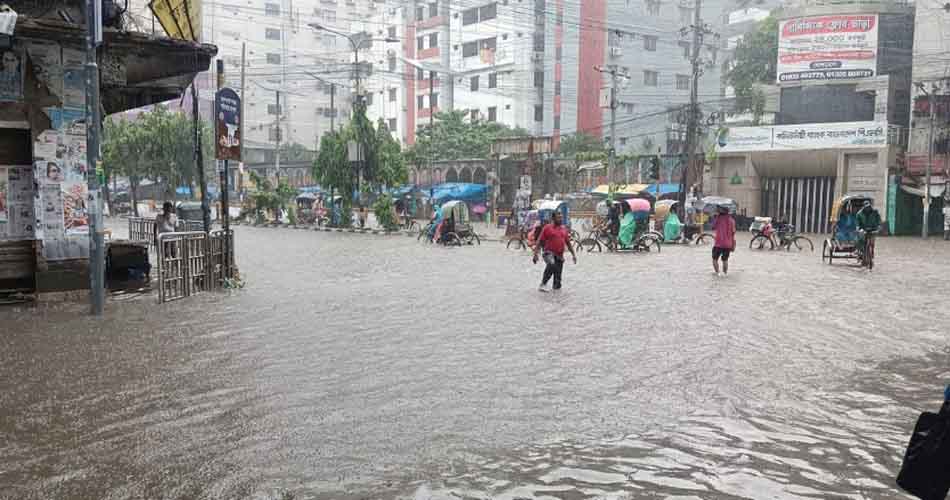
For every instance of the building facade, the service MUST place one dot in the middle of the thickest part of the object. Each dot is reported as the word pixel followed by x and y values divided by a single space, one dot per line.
pixel 840 116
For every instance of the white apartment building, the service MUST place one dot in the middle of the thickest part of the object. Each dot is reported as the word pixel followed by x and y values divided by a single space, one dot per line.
pixel 384 89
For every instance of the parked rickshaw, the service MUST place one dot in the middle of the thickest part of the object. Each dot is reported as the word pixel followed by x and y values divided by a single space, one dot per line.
pixel 843 243
pixel 190 216
pixel 305 208
pixel 456 228
pixel 521 236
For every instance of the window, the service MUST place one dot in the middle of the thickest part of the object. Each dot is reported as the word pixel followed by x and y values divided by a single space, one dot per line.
pixel 392 95
pixel 391 33
pixel 623 141
pixel 420 74
pixel 392 124
pixel 369 99
pixel 539 79
pixel 682 82
pixel 474 84
pixel 434 100
pixel 613 39
pixel 488 12
pixel 272 9
pixel 420 13
pixel 469 16
pixel 539 42
pixel 273 134
pixel 272 109
pixel 470 49
pixel 628 108
pixel 540 6
pixel 560 17
pixel 273 58
pixel 557 123
pixel 329 16
pixel 421 43
pixel 649 43
pixel 433 40
pixel 420 101
pixel 492 114
pixel 649 78
pixel 685 47
pixel 557 88
pixel 538 113
pixel 712 54
pixel 329 40
pixel 558 53
pixel 686 16
pixel 653 7
pixel 392 64
pixel 433 9
pixel 493 80
pixel 272 34
pixel 488 43
pixel 474 115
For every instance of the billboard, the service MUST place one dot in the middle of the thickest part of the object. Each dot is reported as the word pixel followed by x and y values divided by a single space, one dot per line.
pixel 842 135
pixel 227 128
pixel 834 47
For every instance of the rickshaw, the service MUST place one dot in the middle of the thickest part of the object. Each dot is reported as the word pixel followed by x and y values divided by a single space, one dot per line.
pixel 844 233
pixel 190 216
pixel 689 233
pixel 456 227
pixel 305 208
pixel 766 233
pixel 524 239
pixel 546 210
pixel 641 240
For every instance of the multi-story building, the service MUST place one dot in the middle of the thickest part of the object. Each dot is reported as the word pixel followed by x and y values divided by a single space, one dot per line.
pixel 384 89
pixel 840 114
pixel 641 40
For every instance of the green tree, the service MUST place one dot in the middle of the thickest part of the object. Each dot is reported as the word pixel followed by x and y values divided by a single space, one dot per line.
pixel 754 64
pixel 391 164
pixel 580 142
pixel 332 169
pixel 452 137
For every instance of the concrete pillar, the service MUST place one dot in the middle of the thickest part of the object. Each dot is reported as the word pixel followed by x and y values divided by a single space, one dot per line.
pixel 841 176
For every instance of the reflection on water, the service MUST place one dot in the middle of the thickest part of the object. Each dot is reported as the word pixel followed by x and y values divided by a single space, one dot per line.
pixel 371 367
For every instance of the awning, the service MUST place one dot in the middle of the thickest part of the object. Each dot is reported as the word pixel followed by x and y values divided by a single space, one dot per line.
pixel 591 165
pixel 936 190
pixel 665 188
pixel 628 190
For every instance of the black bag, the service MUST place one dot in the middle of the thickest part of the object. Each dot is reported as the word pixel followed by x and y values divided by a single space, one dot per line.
pixel 925 472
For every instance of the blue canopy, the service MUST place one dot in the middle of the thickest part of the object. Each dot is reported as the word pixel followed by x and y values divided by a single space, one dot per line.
pixel 309 189
pixel 665 188
pixel 401 191
pixel 459 191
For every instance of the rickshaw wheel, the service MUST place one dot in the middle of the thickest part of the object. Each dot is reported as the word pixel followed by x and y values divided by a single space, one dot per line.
pixel 704 239
pixel 590 244
pixel 518 244
pixel 474 237
pixel 759 242
pixel 826 251
pixel 452 240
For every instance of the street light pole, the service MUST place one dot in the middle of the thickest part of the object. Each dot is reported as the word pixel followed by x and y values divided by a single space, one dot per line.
pixel 93 121
pixel 925 223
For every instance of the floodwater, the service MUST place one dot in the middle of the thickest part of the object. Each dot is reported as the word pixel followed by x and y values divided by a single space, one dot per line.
pixel 355 366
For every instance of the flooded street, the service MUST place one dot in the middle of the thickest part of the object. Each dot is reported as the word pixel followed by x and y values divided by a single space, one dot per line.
pixel 356 366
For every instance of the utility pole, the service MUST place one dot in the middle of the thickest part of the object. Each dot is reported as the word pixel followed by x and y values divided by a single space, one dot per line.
pixel 699 31
pixel 199 157
pixel 93 122
pixel 615 75
pixel 332 106
pixel 925 225
pixel 240 180
pixel 277 151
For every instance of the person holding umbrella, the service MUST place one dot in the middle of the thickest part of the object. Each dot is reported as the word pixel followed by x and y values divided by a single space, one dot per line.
pixel 724 229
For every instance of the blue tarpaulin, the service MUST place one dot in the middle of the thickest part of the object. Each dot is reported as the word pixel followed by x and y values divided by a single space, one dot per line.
pixel 459 191
pixel 309 189
pixel 665 188
pixel 402 190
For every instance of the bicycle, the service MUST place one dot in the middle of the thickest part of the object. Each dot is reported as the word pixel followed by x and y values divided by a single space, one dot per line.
pixel 866 256
pixel 787 239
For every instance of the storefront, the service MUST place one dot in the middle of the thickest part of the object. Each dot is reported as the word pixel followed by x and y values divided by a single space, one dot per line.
pixel 43 166
pixel 798 171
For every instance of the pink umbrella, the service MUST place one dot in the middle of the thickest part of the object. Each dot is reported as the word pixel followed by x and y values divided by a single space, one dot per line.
pixel 479 209
pixel 638 205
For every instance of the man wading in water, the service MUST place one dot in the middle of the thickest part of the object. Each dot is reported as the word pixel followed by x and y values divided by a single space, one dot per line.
pixel 553 239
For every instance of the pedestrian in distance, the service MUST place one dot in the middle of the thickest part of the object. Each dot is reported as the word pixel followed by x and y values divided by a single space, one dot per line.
pixel 554 238
pixel 946 218
pixel 724 229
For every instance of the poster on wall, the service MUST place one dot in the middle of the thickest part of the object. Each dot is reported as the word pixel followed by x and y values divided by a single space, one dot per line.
pixel 11 75
pixel 75 215
pixel 4 188
pixel 834 47
pixel 51 216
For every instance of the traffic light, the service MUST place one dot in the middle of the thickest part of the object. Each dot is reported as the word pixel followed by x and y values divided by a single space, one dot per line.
pixel 654 170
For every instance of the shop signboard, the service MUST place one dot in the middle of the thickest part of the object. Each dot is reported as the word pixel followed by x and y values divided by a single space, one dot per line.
pixel 832 47
pixel 845 135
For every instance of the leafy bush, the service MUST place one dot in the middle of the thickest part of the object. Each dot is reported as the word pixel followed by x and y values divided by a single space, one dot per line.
pixel 385 211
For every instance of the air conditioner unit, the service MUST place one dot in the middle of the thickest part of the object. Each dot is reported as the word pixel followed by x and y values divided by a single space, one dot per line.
pixel 616 52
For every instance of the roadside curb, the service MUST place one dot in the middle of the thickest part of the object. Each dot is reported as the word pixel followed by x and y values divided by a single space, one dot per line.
pixel 374 232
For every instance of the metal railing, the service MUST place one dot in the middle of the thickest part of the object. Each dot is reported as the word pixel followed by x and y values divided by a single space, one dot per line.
pixel 193 262
pixel 142 230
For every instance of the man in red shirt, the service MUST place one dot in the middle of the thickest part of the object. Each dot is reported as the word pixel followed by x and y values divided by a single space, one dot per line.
pixel 724 228
pixel 554 239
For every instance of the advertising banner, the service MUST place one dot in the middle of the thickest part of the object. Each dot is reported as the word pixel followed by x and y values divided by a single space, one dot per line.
pixel 227 127
pixel 834 47
pixel 804 137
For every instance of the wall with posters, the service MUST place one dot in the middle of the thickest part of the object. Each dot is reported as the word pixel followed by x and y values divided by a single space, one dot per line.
pixel 827 48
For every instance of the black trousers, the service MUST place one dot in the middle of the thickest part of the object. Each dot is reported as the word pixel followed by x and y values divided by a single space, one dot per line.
pixel 555 268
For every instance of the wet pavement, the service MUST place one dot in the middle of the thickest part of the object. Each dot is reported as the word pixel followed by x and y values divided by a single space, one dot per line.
pixel 358 366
